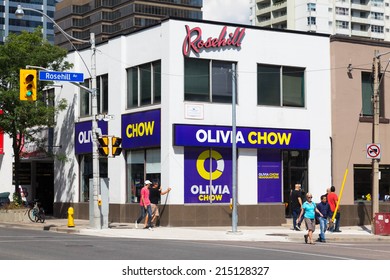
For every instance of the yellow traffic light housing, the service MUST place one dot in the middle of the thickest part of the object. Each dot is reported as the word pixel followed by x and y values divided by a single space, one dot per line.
pixel 116 142
pixel 28 84
pixel 104 149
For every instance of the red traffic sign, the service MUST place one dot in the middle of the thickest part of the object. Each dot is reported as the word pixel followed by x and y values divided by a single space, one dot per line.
pixel 373 151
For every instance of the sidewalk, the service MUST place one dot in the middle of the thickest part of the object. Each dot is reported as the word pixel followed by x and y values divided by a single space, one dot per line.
pixel 128 230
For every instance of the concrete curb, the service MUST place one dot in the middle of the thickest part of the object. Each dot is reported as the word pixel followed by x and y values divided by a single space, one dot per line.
pixel 128 230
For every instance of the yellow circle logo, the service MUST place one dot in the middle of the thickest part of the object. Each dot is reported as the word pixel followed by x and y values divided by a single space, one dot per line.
pixel 207 175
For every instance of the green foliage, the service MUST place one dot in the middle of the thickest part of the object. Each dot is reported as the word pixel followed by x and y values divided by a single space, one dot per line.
pixel 24 117
pixel 16 199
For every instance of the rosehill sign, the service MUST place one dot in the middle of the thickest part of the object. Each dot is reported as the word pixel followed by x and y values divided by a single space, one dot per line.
pixel 193 40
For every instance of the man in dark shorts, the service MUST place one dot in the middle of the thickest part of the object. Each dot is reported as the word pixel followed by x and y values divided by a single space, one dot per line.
pixel 155 197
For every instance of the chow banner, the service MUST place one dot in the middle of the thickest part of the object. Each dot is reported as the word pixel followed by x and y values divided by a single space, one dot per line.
pixel 269 176
pixel 207 175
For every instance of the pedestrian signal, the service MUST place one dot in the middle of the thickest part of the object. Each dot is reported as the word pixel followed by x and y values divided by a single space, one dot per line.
pixel 116 142
pixel 104 149
pixel 28 84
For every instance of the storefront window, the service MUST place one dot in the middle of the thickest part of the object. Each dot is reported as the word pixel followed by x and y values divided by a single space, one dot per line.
pixel 86 173
pixel 141 165
pixel 295 170
pixel 363 182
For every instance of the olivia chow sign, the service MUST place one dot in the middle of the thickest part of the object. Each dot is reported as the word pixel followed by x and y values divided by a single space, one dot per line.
pixel 193 41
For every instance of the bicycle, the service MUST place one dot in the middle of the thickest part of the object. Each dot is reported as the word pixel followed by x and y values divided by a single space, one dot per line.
pixel 36 213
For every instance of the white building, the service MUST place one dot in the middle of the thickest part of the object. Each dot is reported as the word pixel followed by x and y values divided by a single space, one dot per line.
pixel 170 88
pixel 171 112
pixel 364 18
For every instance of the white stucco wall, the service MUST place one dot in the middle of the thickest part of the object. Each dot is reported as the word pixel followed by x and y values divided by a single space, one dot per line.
pixel 165 43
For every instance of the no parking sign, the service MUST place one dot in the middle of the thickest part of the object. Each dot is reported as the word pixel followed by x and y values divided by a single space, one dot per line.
pixel 373 151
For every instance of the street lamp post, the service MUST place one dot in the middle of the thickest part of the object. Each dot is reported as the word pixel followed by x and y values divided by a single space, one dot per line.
pixel 95 220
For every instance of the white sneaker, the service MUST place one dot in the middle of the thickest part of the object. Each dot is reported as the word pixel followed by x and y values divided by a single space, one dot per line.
pixel 136 224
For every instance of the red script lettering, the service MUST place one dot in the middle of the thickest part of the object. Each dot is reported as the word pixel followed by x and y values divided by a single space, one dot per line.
pixel 193 40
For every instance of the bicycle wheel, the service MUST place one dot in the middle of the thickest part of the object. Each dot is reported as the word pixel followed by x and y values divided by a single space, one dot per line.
pixel 31 215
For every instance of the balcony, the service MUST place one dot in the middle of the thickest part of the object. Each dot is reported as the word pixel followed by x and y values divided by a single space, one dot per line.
pixel 360 20
pixel 263 2
pixel 360 7
pixel 359 33
pixel 262 11
pixel 279 18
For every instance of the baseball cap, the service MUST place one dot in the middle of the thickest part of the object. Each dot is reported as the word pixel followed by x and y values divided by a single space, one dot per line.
pixel 147 182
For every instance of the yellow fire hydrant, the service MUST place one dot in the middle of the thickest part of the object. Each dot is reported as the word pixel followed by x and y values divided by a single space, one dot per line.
pixel 70 217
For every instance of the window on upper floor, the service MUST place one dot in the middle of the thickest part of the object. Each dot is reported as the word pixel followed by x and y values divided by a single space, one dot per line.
pixel 144 84
pixel 376 15
pixel 367 95
pixel 280 85
pixel 376 29
pixel 101 95
pixel 311 7
pixel 342 24
pixel 200 85
pixel 342 11
pixel 311 21
pixel 376 3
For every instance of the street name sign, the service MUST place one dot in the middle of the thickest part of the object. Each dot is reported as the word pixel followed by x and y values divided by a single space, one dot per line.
pixel 61 76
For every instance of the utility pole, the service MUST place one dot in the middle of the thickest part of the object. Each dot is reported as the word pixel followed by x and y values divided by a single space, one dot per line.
pixel 95 219
pixel 375 140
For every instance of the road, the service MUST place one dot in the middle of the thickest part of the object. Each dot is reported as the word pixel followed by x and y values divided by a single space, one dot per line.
pixel 20 244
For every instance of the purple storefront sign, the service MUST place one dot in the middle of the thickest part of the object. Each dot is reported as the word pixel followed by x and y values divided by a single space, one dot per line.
pixel 83 136
pixel 208 175
pixel 269 176
pixel 141 130
pixel 247 137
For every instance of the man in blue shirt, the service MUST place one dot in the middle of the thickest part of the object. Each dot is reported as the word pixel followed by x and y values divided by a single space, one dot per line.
pixel 324 208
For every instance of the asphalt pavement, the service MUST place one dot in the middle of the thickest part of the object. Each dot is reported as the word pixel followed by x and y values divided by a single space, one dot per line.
pixel 245 233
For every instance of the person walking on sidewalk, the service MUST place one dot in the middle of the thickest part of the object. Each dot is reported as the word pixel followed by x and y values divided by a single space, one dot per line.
pixel 308 211
pixel 333 200
pixel 296 205
pixel 155 196
pixel 324 209
pixel 145 206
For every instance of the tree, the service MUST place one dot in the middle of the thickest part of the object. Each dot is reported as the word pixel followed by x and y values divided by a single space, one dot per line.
pixel 24 121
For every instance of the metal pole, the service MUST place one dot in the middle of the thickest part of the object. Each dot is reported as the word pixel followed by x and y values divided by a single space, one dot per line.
pixel 97 222
pixel 234 152
pixel 375 140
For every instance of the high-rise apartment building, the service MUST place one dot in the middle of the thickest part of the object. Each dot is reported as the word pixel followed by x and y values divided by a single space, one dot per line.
pixel 107 18
pixel 364 18
pixel 10 24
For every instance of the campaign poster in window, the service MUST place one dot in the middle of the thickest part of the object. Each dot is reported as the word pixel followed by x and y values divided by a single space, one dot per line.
pixel 208 175
pixel 269 176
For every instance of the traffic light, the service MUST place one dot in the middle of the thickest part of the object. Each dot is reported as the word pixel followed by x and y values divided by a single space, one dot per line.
pixel 28 84
pixel 116 142
pixel 104 149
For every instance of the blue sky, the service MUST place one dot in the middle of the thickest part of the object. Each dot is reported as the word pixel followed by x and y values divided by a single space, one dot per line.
pixel 234 11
